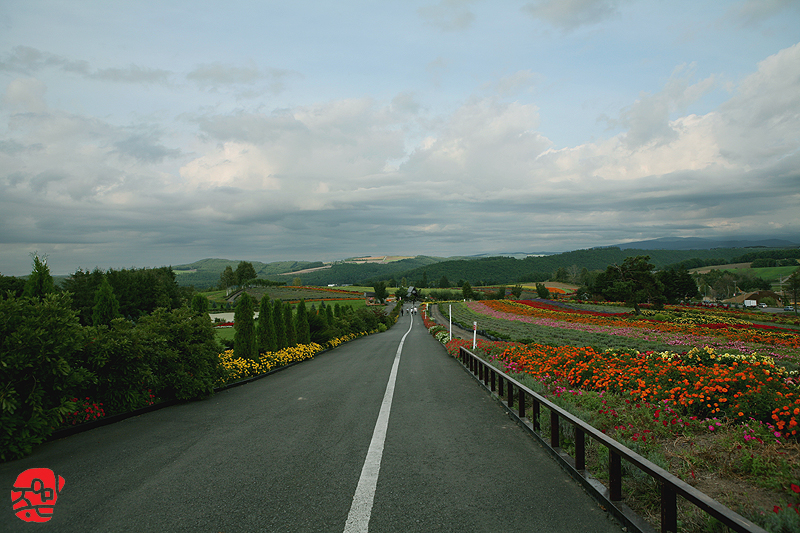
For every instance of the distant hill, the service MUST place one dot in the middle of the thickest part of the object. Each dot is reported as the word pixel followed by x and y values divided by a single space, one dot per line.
pixel 500 269
pixel 506 270
pixel 205 273
pixel 695 243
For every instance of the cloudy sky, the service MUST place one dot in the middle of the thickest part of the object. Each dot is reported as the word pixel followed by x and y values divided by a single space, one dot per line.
pixel 158 132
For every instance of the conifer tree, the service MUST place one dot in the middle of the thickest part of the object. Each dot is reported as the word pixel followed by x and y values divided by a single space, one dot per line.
pixel 279 324
pixel 40 282
pixel 265 329
pixel 106 305
pixel 291 333
pixel 244 338
pixel 301 323
pixel 200 304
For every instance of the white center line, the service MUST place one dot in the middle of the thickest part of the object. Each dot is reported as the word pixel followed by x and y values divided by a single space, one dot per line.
pixel 361 509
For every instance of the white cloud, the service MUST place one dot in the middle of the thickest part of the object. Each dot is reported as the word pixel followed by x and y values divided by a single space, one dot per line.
pixel 26 95
pixel 766 109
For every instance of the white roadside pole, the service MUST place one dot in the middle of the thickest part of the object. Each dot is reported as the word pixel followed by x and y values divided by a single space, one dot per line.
pixel 474 335
pixel 450 317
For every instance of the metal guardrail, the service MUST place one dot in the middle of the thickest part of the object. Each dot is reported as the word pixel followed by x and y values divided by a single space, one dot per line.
pixel 507 390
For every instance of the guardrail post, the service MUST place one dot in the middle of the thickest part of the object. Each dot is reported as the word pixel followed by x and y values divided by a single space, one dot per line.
pixel 521 401
pixel 500 386
pixel 536 426
pixel 510 400
pixel 487 369
pixel 555 439
pixel 614 475
pixel 494 378
pixel 669 509
pixel 580 449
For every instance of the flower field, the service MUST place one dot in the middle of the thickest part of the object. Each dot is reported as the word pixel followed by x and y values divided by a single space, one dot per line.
pixel 679 331
pixel 706 394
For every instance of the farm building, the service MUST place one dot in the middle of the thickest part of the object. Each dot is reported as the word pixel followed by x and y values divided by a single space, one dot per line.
pixel 758 296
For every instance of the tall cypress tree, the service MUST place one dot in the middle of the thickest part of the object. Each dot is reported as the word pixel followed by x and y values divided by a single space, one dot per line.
pixel 291 333
pixel 301 323
pixel 265 329
pixel 40 282
pixel 106 306
pixel 244 338
pixel 279 324
pixel 323 314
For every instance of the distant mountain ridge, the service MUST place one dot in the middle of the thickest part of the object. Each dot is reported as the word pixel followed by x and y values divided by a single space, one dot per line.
pixel 494 268
pixel 697 243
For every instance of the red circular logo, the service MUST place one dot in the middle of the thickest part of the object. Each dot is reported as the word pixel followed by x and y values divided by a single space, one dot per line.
pixel 35 493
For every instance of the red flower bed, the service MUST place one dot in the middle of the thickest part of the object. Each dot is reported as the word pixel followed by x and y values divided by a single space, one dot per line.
pixel 563 309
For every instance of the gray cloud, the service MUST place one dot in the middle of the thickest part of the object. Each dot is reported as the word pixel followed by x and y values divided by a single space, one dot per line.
pixel 571 14
pixel 753 12
pixel 28 60
pixel 448 15
pixel 143 148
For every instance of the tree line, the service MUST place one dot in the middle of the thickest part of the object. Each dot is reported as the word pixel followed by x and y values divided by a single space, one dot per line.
pixel 278 326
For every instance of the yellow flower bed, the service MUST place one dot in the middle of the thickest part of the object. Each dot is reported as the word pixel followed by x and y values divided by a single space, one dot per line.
pixel 238 368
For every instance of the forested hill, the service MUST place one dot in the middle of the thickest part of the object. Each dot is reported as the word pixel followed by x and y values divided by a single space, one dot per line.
pixel 496 270
pixel 206 272
pixel 477 271
pixel 354 274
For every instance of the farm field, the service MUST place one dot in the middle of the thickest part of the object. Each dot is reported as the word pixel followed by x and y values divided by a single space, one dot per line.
pixel 707 394
pixel 290 294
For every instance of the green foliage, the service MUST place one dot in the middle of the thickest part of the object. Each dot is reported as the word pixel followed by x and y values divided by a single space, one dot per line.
pixel 633 282
pixel 380 291
pixel 244 341
pixel 124 370
pixel 11 284
pixel 265 328
pixel 106 306
pixel 466 291
pixel 200 304
pixel 291 331
pixel 38 371
pixel 244 273
pixel 227 278
pixel 279 324
pixel 678 285
pixel 542 291
pixel 184 351
pixel 301 324
pixel 40 282
pixel 138 290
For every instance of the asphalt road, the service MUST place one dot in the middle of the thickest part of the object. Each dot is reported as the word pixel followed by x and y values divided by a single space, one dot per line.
pixel 285 453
